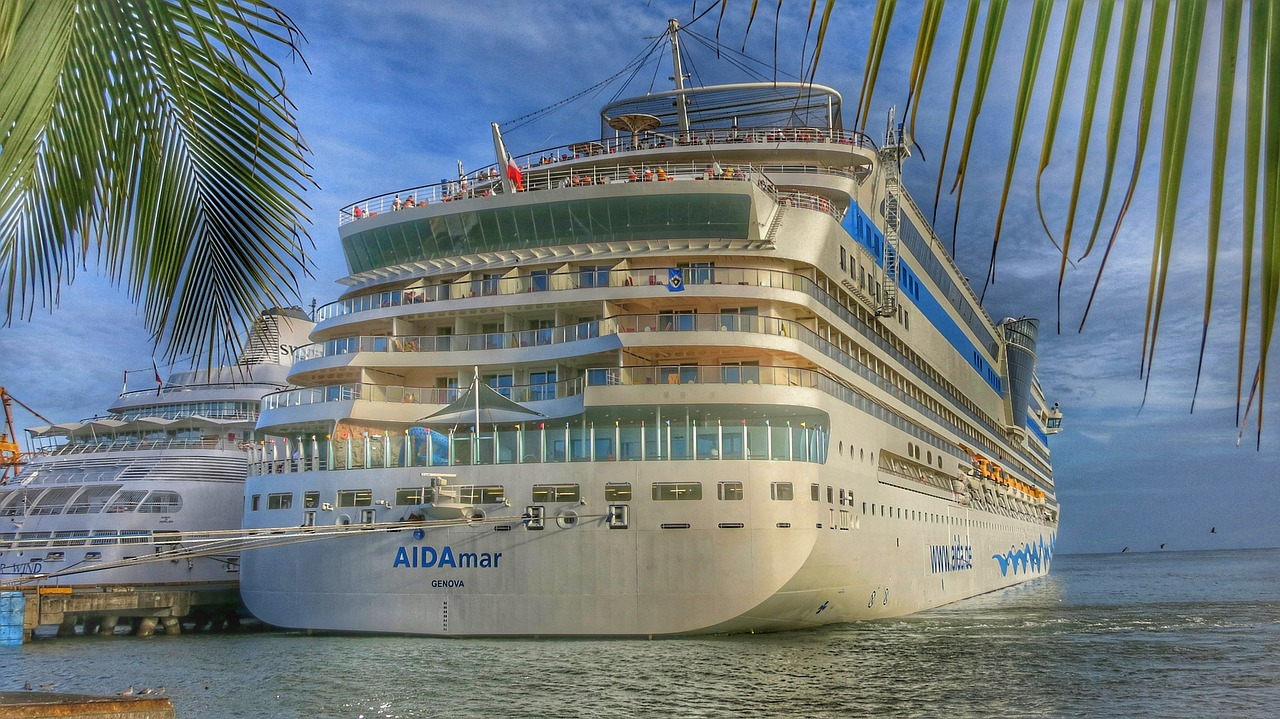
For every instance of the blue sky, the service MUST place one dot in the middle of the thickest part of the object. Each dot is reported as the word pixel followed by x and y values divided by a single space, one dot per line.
pixel 400 91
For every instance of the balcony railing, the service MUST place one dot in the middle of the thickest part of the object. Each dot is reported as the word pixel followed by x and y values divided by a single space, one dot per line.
pixel 627 151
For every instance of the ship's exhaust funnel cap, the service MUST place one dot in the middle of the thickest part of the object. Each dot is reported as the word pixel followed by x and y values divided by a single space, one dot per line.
pixel 1021 336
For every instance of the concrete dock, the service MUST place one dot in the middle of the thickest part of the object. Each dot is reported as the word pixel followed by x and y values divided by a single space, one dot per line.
pixel 98 611
pixel 37 705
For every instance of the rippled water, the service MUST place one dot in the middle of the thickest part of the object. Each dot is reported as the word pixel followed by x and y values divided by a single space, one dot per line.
pixel 1194 634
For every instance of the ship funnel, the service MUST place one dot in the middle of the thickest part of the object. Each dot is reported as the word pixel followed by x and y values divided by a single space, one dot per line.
pixel 274 336
pixel 1020 334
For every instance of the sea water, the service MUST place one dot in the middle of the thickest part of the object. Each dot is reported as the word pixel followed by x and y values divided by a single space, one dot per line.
pixel 1188 634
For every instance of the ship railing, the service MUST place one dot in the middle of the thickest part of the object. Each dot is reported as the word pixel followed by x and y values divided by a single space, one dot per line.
pixel 487 180
pixel 690 276
pixel 396 394
pixel 536 440
pixel 165 390
pixel 809 201
pixel 134 444
pixel 586 278
pixel 450 343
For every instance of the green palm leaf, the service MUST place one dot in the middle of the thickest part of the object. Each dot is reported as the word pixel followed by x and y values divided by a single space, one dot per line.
pixel 1188 29
pixel 1037 28
pixel 1102 31
pixel 153 139
pixel 1155 46
pixel 1228 47
pixel 986 61
pixel 966 41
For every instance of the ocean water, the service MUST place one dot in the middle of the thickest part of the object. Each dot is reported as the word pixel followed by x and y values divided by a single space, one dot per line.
pixel 1188 634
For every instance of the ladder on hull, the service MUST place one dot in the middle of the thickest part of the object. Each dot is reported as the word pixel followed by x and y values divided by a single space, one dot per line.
pixel 891 155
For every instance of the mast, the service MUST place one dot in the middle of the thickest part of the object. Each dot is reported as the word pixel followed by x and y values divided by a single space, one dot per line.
pixel 673 29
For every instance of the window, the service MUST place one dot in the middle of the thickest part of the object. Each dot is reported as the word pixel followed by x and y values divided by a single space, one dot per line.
pixel 556 493
pixel 842 257
pixel 677 321
pixel 310 500
pixel 729 490
pixel 284 500
pixel 617 492
pixel 410 496
pixel 482 494
pixel 92 499
pixel 309 518
pixel 355 497
pixel 698 273
pixel 540 280
pixel 675 491
pixel 500 382
pixel 781 491
pixel 53 501
pixel 593 276
pixel 254 502
pixel 128 501
pixel 542 385
pixel 162 502
pixel 815 493
pixel 831 499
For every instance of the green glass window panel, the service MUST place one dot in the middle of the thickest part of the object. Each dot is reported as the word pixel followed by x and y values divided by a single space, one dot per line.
pixel 559 214
pixel 674 216
pixel 488 226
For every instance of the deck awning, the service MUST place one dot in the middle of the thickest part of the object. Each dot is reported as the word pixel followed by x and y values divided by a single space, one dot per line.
pixel 481 403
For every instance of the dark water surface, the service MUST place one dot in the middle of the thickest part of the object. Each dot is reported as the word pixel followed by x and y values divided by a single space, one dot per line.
pixel 1189 634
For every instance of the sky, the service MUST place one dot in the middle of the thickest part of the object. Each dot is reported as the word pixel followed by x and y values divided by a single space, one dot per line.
pixel 399 91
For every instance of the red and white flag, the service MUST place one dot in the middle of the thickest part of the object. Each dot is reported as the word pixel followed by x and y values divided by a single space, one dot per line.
pixel 514 174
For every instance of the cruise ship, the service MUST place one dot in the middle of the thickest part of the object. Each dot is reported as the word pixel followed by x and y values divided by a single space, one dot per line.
pixel 100 496
pixel 710 371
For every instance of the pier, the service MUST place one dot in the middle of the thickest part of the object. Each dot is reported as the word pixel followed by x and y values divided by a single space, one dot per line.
pixel 100 610
pixel 33 705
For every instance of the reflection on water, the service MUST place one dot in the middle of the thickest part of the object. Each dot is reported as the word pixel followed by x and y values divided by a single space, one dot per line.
pixel 1167 635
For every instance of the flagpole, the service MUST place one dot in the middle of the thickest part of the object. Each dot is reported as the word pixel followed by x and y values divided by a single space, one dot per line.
pixel 504 162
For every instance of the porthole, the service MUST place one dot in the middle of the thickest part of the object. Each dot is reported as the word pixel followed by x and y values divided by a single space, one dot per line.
pixel 567 519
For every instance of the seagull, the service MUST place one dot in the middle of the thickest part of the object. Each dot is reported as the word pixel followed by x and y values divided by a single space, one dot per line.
pixel 1162 545
pixel 1213 530
pixel 127 692
pixel 1122 551
pixel 27 685
pixel 46 687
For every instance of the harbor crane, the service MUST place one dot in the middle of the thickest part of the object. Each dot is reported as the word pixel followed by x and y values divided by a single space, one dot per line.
pixel 11 455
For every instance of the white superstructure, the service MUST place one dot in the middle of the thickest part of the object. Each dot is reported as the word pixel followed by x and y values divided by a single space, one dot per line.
pixel 165 460
pixel 669 380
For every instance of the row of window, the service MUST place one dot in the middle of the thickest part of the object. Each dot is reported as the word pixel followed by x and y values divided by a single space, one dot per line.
pixel 87 500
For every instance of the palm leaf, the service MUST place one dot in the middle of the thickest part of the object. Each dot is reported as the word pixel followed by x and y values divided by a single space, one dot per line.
pixel 1228 47
pixel 1188 29
pixel 1254 126
pixel 1130 22
pixel 928 33
pixel 1037 28
pixel 986 61
pixel 966 41
pixel 1270 250
pixel 1151 72
pixel 152 138
pixel 1102 30
pixel 875 50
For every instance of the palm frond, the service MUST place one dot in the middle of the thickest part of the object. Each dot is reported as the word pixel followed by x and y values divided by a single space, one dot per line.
pixel 152 138
pixel 966 42
pixel 1037 28
pixel 1150 77
pixel 1102 31
pixel 986 61
pixel 1228 48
